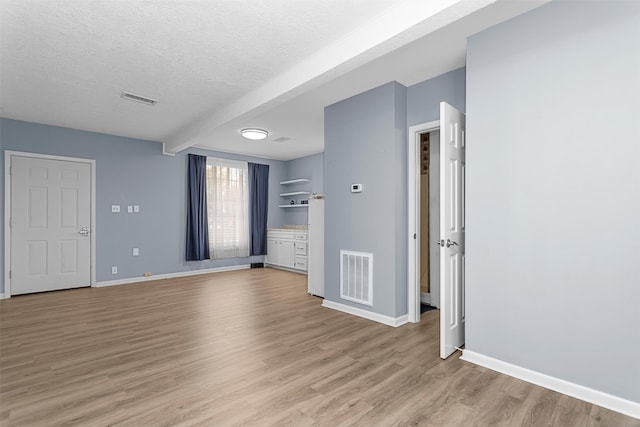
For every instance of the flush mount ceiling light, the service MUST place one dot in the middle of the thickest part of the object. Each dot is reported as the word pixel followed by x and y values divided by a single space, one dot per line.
pixel 254 133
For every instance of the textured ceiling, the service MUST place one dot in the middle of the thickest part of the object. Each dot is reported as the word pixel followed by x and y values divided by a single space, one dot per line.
pixel 215 66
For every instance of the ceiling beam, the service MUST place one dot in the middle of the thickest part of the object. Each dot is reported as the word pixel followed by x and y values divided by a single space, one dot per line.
pixel 398 26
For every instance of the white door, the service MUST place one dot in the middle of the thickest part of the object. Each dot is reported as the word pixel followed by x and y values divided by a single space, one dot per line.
pixel 50 224
pixel 452 174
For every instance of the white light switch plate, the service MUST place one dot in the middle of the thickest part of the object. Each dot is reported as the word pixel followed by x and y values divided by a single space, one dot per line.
pixel 136 252
pixel 115 208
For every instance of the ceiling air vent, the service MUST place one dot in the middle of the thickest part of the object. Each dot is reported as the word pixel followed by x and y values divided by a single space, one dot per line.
pixel 282 139
pixel 138 98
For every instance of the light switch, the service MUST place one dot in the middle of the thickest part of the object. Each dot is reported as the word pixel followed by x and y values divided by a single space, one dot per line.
pixel 115 208
pixel 136 208
pixel 129 208
pixel 136 252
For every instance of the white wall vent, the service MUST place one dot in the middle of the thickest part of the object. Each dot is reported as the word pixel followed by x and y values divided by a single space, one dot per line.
pixel 356 277
pixel 138 98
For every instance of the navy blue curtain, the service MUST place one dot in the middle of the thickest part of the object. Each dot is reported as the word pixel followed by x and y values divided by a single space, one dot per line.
pixel 258 197
pixel 197 224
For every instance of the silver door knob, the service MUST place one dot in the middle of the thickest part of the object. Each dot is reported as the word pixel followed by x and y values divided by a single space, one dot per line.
pixel 451 243
pixel 84 231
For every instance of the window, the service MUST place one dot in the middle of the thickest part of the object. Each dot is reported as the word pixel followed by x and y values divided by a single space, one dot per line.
pixel 227 208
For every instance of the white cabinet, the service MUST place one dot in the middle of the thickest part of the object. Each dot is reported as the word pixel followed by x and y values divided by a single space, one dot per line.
pixel 287 249
pixel 315 250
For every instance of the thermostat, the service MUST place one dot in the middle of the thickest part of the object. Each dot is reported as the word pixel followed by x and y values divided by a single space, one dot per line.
pixel 356 188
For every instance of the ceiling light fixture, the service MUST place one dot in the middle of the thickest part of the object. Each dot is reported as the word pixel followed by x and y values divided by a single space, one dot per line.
pixel 254 133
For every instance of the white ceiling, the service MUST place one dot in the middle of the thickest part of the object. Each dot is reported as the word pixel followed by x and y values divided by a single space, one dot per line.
pixel 218 66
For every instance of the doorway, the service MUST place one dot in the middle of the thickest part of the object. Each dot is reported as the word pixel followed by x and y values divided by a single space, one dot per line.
pixel 423 202
pixel 49 223
pixel 429 214
pixel 451 239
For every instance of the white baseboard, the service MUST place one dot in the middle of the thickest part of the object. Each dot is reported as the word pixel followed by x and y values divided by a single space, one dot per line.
pixel 2 295
pixel 170 275
pixel 279 267
pixel 380 318
pixel 587 394
pixel 425 298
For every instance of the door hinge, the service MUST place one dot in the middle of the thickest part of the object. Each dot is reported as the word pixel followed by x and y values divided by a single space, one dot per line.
pixel 9 274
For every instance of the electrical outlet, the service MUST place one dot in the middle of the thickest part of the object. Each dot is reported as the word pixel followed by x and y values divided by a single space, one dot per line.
pixel 136 251
pixel 114 270
pixel 136 208
pixel 147 273
pixel 129 208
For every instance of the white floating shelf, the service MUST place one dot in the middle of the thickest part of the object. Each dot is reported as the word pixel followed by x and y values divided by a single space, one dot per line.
pixel 297 205
pixel 295 181
pixel 296 193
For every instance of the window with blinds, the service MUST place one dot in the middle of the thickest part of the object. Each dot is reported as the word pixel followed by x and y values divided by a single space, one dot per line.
pixel 228 208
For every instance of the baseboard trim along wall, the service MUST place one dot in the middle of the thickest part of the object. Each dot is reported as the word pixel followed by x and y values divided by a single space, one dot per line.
pixel 171 275
pixel 380 318
pixel 2 295
pixel 425 298
pixel 587 394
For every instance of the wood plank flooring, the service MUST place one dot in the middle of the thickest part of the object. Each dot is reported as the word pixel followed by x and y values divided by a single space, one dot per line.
pixel 247 347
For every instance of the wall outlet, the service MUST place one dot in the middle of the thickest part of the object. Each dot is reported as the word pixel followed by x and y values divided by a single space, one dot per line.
pixel 114 270
pixel 147 273
pixel 136 251
pixel 136 208
pixel 115 208
pixel 129 208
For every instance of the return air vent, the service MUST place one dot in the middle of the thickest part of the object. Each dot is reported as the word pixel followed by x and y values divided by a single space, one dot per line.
pixel 356 277
pixel 138 98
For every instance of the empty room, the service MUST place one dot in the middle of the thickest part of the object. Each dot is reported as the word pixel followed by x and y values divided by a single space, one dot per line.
pixel 319 212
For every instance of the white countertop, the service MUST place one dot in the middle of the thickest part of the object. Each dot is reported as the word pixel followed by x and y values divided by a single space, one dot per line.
pixel 290 227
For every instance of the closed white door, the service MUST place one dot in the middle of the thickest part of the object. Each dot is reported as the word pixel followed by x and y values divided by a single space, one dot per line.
pixel 452 226
pixel 50 224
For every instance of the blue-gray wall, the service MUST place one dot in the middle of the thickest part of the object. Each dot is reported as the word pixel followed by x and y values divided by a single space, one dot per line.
pixel 365 142
pixel 311 167
pixel 129 172
pixel 553 193
pixel 423 99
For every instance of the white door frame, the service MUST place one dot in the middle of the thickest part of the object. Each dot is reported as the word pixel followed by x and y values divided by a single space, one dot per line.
pixel 8 155
pixel 413 214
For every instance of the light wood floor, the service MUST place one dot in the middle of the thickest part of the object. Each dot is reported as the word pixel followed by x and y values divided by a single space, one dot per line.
pixel 247 347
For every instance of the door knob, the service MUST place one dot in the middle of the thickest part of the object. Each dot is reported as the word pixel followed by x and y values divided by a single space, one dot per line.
pixel 84 231
pixel 451 243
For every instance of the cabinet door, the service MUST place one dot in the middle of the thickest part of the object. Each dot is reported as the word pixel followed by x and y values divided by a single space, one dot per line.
pixel 286 254
pixel 272 251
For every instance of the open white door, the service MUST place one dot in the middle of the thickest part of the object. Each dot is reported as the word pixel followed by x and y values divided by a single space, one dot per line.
pixel 452 173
